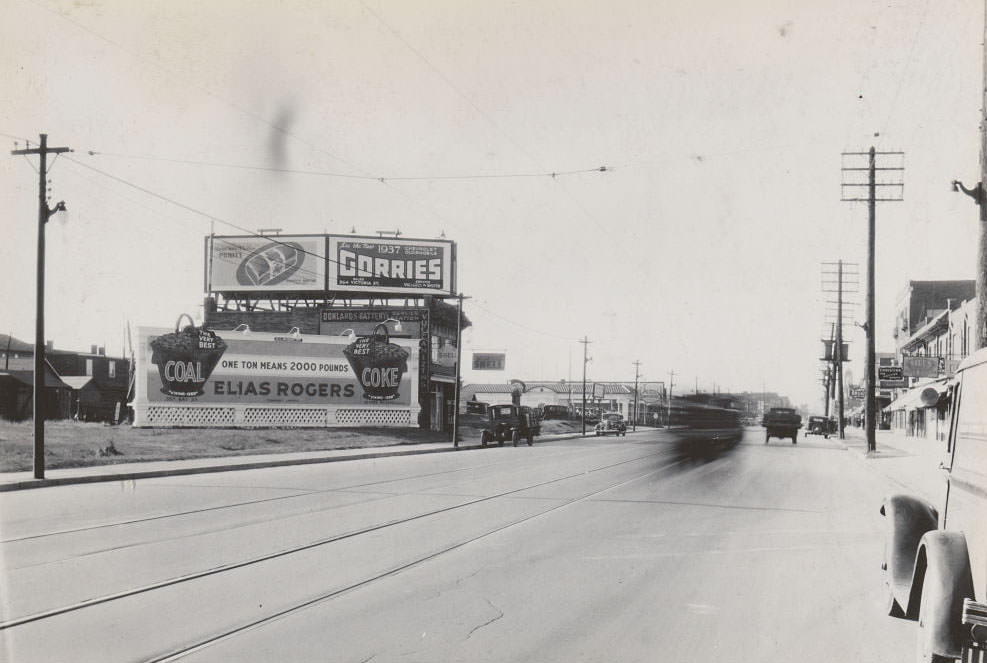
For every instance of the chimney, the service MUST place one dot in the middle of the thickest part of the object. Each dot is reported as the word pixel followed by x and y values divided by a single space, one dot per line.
pixel 49 345
pixel 101 351
pixel 92 349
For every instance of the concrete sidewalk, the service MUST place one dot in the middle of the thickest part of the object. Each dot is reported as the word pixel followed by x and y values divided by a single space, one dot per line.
pixel 10 481
pixel 912 463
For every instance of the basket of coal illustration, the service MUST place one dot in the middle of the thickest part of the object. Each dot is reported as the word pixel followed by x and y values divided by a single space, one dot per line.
pixel 378 364
pixel 186 358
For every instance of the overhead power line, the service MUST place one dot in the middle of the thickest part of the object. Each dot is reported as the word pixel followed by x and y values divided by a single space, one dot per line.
pixel 272 238
pixel 352 176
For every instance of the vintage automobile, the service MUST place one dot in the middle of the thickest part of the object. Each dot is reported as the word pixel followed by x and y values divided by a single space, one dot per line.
pixel 611 423
pixel 935 562
pixel 510 422
pixel 782 422
pixel 820 426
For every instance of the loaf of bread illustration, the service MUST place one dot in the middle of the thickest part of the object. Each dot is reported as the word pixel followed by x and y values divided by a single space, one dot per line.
pixel 271 264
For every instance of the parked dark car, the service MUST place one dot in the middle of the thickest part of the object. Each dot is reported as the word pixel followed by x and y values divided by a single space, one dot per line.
pixel 820 426
pixel 510 422
pixel 555 412
pixel 935 563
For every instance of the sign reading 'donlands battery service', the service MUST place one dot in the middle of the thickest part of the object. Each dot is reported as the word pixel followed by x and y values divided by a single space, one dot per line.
pixel 390 265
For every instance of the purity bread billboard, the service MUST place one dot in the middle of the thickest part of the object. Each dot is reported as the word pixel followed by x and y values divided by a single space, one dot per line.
pixel 265 263
pixel 191 376
pixel 334 263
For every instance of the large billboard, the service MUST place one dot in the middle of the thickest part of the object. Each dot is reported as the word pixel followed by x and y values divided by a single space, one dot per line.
pixel 413 321
pixel 199 377
pixel 390 265
pixel 265 263
pixel 274 264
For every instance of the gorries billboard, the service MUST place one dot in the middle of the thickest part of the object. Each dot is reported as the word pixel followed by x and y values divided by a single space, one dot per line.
pixel 374 264
pixel 334 263
pixel 291 379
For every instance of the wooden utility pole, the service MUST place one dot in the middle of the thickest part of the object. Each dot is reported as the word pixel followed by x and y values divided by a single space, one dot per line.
pixel 892 189
pixel 671 383
pixel 459 358
pixel 44 213
pixel 839 348
pixel 977 193
pixel 637 365
pixel 839 278
pixel 585 343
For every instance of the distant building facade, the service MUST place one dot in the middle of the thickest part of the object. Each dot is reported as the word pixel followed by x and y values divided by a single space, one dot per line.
pixel 82 385
pixel 934 332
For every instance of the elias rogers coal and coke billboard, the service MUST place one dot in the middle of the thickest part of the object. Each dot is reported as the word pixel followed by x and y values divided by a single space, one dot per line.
pixel 202 377
pixel 337 263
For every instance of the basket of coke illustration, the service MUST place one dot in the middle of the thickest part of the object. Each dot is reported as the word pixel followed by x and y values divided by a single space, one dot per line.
pixel 378 364
pixel 186 358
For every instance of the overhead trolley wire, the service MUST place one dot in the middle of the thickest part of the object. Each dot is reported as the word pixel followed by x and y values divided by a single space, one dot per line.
pixel 352 176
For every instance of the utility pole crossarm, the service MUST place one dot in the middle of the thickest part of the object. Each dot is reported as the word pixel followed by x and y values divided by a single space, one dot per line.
pixel 39 150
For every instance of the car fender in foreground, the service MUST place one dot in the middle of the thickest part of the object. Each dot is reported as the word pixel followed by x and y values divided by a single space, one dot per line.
pixel 909 519
pixel 942 580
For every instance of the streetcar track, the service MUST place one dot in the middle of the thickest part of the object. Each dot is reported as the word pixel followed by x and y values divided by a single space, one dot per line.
pixel 375 496
pixel 308 603
pixel 88 603
pixel 190 512
pixel 215 530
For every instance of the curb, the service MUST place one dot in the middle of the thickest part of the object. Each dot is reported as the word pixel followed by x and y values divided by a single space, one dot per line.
pixel 28 484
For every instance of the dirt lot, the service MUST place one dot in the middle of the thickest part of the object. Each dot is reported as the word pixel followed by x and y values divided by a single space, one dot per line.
pixel 78 444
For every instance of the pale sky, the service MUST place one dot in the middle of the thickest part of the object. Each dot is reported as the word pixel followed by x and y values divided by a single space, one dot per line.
pixel 698 250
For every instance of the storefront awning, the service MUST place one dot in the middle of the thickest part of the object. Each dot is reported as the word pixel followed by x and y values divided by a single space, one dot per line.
pixel 925 395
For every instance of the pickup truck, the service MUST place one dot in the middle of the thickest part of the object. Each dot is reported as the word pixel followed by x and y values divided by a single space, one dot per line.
pixel 510 422
pixel 782 422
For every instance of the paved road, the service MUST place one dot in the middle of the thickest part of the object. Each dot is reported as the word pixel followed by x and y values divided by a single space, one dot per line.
pixel 577 550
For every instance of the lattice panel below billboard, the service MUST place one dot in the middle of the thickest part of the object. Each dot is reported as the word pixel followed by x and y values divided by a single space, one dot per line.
pixel 188 417
pixel 283 417
pixel 199 416
pixel 353 417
